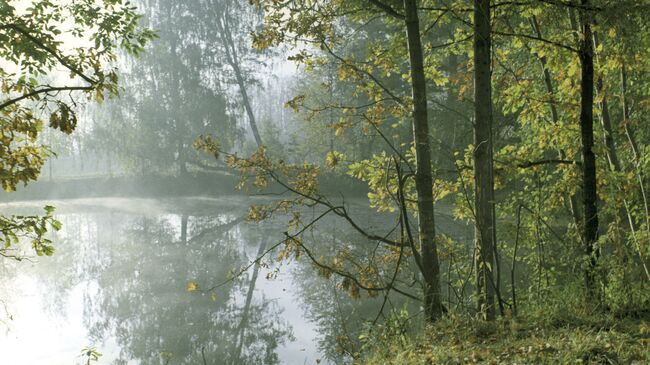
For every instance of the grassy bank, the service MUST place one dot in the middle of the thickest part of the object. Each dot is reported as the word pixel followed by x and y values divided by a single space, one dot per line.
pixel 550 335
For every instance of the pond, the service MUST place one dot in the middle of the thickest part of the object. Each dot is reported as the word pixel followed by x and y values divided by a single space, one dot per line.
pixel 119 279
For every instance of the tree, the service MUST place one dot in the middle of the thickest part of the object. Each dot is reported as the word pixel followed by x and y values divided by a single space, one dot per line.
pixel 36 41
pixel 305 190
pixel 580 71
pixel 589 189
pixel 527 153
pixel 172 96
pixel 230 21
pixel 423 176
pixel 483 160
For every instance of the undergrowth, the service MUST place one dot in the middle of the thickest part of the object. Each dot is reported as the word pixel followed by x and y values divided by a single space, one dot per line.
pixel 565 332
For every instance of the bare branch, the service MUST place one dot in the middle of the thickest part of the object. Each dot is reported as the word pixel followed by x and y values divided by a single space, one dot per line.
pixel 396 98
pixel 528 164
pixel 42 91
pixel 543 40
pixel 388 9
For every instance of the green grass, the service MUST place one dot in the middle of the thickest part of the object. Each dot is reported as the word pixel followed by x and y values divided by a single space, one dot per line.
pixel 552 335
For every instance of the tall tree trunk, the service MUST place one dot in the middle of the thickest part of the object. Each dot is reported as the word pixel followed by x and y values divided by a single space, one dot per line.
pixel 233 61
pixel 483 171
pixel 176 102
pixel 605 119
pixel 423 177
pixel 589 188
pixel 625 212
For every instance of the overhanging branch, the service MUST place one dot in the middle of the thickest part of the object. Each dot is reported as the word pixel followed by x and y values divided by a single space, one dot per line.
pixel 44 91
pixel 388 9
pixel 528 164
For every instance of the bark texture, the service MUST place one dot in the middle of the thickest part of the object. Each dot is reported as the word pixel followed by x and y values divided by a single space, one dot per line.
pixel 483 171
pixel 589 188
pixel 423 176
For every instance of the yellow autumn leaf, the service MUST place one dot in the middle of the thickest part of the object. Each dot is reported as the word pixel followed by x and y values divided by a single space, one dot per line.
pixel 214 297
pixel 192 286
pixel 644 328
pixel 332 159
pixel 612 32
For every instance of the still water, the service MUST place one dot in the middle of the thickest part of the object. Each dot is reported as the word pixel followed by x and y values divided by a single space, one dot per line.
pixel 118 282
pixel 119 277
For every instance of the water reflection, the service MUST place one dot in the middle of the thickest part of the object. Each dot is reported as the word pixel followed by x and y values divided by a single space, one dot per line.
pixel 141 297
pixel 132 271
pixel 118 281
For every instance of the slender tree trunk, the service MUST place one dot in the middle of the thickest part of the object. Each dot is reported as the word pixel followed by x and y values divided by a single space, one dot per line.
pixel 625 212
pixel 184 220
pixel 605 119
pixel 629 133
pixel 233 61
pixel 589 188
pixel 423 177
pixel 241 328
pixel 483 171
pixel 182 161
pixel 176 102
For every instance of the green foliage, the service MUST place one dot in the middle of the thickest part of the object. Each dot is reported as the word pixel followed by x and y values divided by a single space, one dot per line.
pixel 355 105
pixel 37 41
pixel 357 91
pixel 90 354
pixel 395 332
pixel 33 229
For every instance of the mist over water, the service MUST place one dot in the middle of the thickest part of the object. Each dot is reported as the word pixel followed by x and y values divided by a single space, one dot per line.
pixel 118 282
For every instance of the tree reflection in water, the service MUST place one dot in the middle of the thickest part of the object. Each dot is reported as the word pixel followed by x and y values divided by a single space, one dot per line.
pixel 133 267
pixel 142 301
pixel 137 268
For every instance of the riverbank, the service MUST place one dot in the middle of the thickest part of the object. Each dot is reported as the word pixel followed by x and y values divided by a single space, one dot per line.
pixel 554 335
pixel 151 186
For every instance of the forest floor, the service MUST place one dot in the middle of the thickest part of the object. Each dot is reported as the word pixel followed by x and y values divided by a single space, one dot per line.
pixel 559 337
